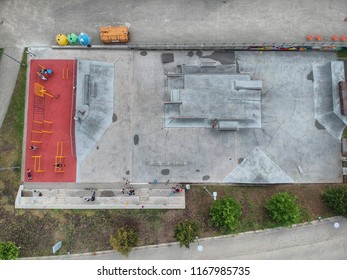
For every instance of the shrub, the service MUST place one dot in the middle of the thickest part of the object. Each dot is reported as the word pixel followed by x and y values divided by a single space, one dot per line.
pixel 283 209
pixel 225 214
pixel 185 233
pixel 336 198
pixel 124 240
pixel 8 251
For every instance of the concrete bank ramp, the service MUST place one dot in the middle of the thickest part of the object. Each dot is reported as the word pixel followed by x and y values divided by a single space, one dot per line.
pixel 258 168
pixel 326 98
pixel 94 105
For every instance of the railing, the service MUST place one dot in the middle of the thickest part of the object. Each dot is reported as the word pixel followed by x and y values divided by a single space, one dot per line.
pixel 306 45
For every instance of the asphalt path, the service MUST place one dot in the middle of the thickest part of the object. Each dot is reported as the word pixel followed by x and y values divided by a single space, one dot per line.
pixel 37 22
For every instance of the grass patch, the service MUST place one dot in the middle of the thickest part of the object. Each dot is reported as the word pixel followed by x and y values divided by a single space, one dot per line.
pixel 11 137
pixel 344 134
pixel 342 54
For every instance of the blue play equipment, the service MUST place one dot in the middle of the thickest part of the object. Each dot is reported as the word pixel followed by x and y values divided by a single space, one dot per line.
pixel 46 71
pixel 84 39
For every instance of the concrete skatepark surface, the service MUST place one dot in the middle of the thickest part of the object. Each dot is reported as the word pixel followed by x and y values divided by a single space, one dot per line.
pixel 94 105
pixel 138 147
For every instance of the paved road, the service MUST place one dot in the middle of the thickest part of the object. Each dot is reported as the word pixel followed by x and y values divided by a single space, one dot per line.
pixel 314 241
pixel 36 22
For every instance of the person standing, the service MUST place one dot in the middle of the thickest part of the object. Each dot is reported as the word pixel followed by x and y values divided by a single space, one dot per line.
pixel 33 148
pixel 29 175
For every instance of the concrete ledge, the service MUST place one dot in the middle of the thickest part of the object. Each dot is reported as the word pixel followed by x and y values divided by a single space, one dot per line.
pixel 208 46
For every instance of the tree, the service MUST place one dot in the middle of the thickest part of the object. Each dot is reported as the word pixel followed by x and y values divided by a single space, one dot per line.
pixel 225 214
pixel 8 251
pixel 124 240
pixel 185 233
pixel 283 209
pixel 336 198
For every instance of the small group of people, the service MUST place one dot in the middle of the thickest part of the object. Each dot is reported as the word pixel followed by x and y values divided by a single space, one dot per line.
pixel 40 193
pixel 45 71
pixel 131 191
pixel 177 189
pixel 42 72
pixel 29 173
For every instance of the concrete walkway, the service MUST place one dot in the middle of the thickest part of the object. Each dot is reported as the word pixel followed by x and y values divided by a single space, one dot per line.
pixel 9 69
pixel 317 240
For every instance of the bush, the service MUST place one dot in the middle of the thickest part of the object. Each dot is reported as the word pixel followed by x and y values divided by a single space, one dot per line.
pixel 336 198
pixel 225 214
pixel 124 240
pixel 8 251
pixel 186 232
pixel 283 209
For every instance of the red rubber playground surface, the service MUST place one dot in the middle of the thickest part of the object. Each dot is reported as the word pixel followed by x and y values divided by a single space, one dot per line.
pixel 50 123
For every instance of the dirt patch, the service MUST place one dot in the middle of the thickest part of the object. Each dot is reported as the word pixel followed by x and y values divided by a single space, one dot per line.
pixel 89 231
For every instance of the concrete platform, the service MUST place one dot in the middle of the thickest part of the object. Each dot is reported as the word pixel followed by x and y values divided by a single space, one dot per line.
pixel 107 196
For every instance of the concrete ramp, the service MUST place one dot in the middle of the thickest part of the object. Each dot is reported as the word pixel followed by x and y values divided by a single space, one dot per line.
pixel 258 168
pixel 333 124
pixel 94 105
pixel 326 97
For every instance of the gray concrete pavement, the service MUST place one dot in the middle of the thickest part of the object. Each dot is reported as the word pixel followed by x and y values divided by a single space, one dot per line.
pixel 37 22
pixel 318 240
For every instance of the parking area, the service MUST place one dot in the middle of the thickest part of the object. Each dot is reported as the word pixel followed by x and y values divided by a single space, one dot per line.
pixel 289 147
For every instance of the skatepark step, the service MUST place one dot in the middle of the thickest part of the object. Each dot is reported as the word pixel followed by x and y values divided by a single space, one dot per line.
pixel 144 195
pixel 61 195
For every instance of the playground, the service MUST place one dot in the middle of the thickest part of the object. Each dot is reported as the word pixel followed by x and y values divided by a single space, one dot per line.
pixel 50 145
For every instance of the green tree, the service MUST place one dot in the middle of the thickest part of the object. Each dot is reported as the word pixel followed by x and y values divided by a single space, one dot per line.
pixel 8 251
pixel 336 198
pixel 124 240
pixel 283 209
pixel 225 214
pixel 185 233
